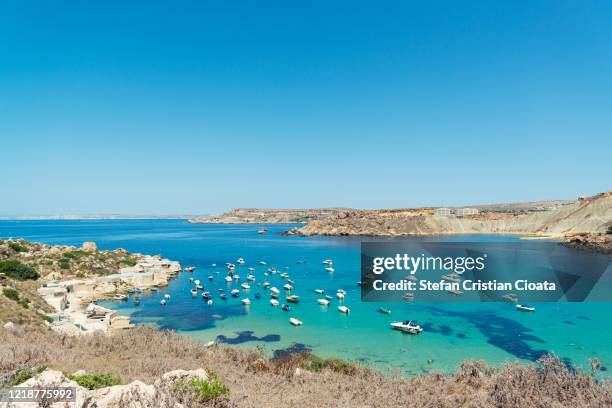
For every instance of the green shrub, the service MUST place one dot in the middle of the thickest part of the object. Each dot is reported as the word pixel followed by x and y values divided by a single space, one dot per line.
pixel 24 302
pixel 22 376
pixel 64 263
pixel 76 254
pixel 17 247
pixel 316 363
pixel 204 390
pixel 129 261
pixel 11 294
pixel 16 270
pixel 46 318
pixel 95 380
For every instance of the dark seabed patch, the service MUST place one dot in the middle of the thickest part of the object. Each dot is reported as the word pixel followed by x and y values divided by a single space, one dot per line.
pixel 583 317
pixel 246 336
pixel 176 316
pixel 441 329
pixel 461 336
pixel 507 334
pixel 292 349
pixel 568 322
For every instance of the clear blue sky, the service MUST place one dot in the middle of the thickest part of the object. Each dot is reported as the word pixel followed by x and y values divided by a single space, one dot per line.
pixel 196 107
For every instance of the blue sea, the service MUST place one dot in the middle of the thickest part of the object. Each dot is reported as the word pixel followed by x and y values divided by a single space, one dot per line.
pixel 494 332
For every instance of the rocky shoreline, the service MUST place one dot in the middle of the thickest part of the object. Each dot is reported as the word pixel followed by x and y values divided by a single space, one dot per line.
pixel 598 243
pixel 267 216
pixel 64 282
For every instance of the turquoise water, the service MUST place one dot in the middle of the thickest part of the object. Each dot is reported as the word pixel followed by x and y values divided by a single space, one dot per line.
pixel 453 332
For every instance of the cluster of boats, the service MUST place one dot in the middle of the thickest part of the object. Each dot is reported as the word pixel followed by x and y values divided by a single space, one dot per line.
pixel 408 326
pixel 274 292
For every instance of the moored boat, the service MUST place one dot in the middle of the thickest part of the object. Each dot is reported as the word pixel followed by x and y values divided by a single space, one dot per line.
pixel 295 321
pixel 525 308
pixel 407 326
pixel 323 302
pixel 292 298
pixel 246 301
pixel 384 311
pixel 274 302
pixel 344 309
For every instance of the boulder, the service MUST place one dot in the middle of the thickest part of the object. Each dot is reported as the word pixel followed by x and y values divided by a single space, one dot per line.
pixel 9 326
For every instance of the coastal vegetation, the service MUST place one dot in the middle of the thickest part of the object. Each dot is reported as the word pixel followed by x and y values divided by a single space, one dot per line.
pixel 243 377
pixel 93 381
pixel 17 270
pixel 11 293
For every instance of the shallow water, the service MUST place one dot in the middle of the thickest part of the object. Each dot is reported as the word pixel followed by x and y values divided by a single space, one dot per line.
pixel 453 332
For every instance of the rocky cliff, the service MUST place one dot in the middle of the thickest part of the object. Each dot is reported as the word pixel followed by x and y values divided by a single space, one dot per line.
pixel 584 215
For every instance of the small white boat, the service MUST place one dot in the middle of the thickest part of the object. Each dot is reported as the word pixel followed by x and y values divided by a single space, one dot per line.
pixel 288 286
pixel 262 231
pixel 120 297
pixel 236 277
pixel 319 291
pixel 266 284
pixel 245 286
pixel 330 269
pixel 344 309
pixel 191 279
pixel 199 287
pixel 228 278
pixel 231 266
pixel 167 296
pixel 408 326
pixel 274 290
pixel 163 302
pixel 262 262
pixel 196 282
pixel 295 321
pixel 214 265
pixel 235 292
pixel 209 302
pixel 340 295
pixel 246 301
pixel 251 269
pixel 328 262
pixel 240 261
pixel 510 297
pixel 323 302
pixel 210 277
pixel 525 308
pixel 190 269
pixel 251 277
pixel 194 292
pixel 341 291
pixel 274 302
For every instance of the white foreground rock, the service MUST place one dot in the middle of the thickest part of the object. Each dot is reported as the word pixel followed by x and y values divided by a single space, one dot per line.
pixel 133 395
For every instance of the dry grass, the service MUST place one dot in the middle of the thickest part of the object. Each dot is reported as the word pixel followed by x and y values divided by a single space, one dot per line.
pixel 255 381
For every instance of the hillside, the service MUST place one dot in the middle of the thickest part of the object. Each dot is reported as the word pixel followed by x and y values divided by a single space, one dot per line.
pixel 584 215
pixel 247 378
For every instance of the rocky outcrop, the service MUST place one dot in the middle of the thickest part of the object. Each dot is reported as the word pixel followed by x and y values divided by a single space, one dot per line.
pixel 133 395
pixel 584 215
pixel 268 216
pixel 600 243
